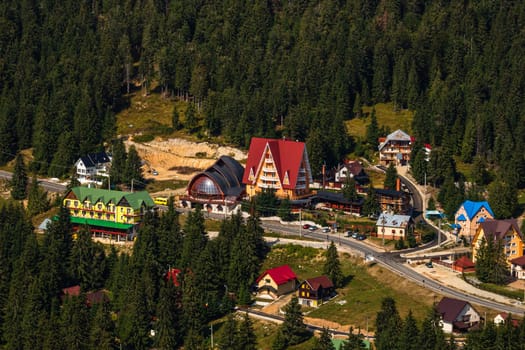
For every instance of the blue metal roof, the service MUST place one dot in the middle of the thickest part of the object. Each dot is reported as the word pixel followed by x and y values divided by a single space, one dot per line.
pixel 472 208
pixel 461 218
pixel 458 226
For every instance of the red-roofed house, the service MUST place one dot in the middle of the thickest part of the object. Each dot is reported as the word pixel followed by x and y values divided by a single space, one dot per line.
pixel 313 291
pixel 94 297
pixel 503 317
pixel 457 315
pixel 281 165
pixel 517 268
pixel 463 264
pixel 277 281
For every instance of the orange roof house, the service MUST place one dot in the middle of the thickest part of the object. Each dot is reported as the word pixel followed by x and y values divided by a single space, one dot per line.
pixel 279 165
pixel 277 281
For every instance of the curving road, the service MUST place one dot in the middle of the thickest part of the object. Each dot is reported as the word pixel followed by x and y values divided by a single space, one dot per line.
pixel 394 263
pixel 47 185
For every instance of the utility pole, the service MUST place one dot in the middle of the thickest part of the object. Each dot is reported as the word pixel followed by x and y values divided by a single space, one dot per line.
pixel 300 224
pixel 212 346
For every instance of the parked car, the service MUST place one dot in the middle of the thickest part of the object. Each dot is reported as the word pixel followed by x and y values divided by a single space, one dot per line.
pixel 326 229
pixel 429 265
pixel 312 228
pixel 348 234
pixel 361 237
pixel 306 226
pixel 355 235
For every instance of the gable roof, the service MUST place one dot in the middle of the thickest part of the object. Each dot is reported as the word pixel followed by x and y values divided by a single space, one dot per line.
pixel 393 220
pixel 499 227
pixel 135 199
pixel 519 261
pixel 505 317
pixel 92 159
pixel 450 308
pixel 464 262
pixel 287 157
pixel 472 208
pixel 279 275
pixel 319 281
pixel 398 135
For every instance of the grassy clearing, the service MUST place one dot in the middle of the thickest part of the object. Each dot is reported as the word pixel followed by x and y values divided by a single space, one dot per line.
pixel 167 185
pixel 361 298
pixel 386 116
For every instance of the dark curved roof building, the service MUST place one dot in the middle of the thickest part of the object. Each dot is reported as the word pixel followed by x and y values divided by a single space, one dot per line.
pixel 219 184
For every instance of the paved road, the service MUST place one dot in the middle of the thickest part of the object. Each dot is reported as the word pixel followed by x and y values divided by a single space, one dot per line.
pixel 393 263
pixel 47 185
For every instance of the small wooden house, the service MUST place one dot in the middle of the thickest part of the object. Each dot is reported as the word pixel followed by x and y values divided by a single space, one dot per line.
pixel 313 291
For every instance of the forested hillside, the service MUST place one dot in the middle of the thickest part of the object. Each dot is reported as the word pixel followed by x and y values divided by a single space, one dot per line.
pixel 266 68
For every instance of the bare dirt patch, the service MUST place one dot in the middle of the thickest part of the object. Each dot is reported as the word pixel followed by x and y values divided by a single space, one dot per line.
pixel 180 159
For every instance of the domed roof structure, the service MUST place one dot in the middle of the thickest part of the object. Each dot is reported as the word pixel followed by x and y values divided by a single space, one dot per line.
pixel 223 179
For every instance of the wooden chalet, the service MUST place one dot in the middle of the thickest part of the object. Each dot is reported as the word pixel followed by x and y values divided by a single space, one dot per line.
pixel 313 291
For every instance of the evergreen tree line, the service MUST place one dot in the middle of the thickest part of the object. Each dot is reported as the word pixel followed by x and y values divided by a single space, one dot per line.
pixel 268 69
pixel 214 275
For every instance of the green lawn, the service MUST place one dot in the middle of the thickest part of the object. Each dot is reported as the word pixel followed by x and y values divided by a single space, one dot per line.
pixel 386 116
pixel 361 298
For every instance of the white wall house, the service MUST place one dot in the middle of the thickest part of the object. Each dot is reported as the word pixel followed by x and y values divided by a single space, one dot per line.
pixel 92 168
pixel 457 315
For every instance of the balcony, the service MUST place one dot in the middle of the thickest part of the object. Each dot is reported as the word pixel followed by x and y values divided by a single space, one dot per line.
pixel 268 160
pixel 269 170
pixel 271 178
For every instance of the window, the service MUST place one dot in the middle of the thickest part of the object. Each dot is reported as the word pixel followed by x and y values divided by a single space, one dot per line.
pixel 267 281
pixel 68 203
pixel 394 232
pixel 99 206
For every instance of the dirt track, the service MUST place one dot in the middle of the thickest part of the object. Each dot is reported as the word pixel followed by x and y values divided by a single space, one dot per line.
pixel 179 159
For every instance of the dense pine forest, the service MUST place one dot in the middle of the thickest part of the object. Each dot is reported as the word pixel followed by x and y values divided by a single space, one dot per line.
pixel 268 68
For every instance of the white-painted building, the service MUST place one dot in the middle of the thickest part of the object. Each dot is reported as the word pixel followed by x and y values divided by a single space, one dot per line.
pixel 93 167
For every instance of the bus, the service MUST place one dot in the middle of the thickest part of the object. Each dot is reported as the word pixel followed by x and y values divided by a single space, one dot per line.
pixel 161 200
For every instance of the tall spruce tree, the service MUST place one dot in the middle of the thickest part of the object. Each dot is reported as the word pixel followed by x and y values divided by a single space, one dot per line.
pixel 388 326
pixel 325 341
pixel 293 328
pixel 37 199
pixel 246 338
pixel 332 266
pixel 19 180
pixel 391 177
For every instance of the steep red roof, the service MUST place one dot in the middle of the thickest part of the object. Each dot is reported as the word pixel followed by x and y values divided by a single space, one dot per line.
pixel 464 262
pixel 514 321
pixel 279 275
pixel 320 281
pixel 518 261
pixel 287 156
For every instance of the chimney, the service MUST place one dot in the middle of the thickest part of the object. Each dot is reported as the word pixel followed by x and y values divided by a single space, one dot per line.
pixel 398 184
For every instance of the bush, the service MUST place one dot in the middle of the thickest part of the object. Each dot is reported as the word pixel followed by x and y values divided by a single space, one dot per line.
pixel 143 138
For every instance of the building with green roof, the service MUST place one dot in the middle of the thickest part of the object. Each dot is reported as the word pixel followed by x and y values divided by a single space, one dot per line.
pixel 107 212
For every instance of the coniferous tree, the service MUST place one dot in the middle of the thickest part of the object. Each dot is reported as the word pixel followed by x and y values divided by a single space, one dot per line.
pixel 355 341
pixel 332 266
pixel 390 177
pixel 431 336
pixel 169 328
pixel 388 326
pixel 230 334
pixel 134 169
pixel 37 199
pixel 349 191
pixel 195 237
pixel 246 338
pixel 19 179
pixel 118 162
pixel 325 341
pixel 371 205
pixel 293 328
pixel 102 333
pixel 503 199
